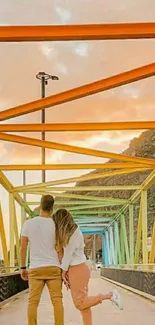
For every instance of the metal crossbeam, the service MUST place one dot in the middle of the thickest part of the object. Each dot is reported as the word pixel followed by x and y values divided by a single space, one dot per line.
pixel 92 188
pixel 80 92
pixel 74 149
pixel 74 127
pixel 74 204
pixel 91 219
pixel 77 32
pixel 81 197
pixel 93 224
pixel 88 177
pixel 148 182
pixel 87 231
pixel 9 188
pixel 73 166
pixel 94 206
pixel 94 213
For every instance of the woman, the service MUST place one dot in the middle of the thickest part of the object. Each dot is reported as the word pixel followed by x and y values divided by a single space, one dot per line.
pixel 76 274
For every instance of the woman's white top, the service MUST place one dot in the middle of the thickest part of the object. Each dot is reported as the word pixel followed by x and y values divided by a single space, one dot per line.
pixel 74 251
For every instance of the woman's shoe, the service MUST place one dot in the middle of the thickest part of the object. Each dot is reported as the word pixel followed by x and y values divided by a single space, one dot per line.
pixel 117 300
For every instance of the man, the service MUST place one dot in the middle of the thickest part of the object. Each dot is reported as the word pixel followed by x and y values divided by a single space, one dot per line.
pixel 44 262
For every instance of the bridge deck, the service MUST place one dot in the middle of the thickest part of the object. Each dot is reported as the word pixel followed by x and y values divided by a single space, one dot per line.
pixel 137 310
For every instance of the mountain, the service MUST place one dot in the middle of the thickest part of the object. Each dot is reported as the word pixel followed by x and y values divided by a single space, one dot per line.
pixel 142 146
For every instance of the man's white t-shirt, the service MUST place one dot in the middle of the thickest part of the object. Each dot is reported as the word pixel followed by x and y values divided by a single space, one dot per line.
pixel 41 235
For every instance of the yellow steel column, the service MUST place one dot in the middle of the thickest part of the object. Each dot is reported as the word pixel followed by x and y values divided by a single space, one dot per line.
pixel 152 252
pixel 122 242
pixel 144 226
pixel 131 233
pixel 16 232
pixel 125 246
pixel 139 234
pixel 3 239
pixel 11 230
pixel 23 215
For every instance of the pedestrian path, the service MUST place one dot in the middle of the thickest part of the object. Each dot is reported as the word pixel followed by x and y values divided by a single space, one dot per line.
pixel 137 310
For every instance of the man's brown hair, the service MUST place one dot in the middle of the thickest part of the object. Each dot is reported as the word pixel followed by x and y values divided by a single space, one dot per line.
pixel 47 202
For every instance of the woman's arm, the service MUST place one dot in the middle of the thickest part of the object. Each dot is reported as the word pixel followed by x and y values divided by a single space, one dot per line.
pixel 60 255
pixel 69 250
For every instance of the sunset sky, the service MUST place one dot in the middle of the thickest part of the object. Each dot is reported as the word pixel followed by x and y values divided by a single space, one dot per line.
pixel 75 63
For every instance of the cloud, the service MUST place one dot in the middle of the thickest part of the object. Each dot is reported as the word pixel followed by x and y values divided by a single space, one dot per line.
pixel 3 152
pixel 76 63
pixel 63 14
pixel 81 49
pixel 110 138
pixel 62 68
pixel 131 92
pixel 55 157
pixel 21 154
pixel 128 91
pixel 48 50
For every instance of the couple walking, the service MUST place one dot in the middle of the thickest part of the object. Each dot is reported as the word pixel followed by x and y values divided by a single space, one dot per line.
pixel 57 256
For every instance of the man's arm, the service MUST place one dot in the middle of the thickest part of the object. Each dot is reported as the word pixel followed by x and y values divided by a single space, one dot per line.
pixel 23 254
pixel 23 251
pixel 68 254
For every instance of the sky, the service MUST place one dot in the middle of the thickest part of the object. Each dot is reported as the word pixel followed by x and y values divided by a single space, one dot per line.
pixel 75 63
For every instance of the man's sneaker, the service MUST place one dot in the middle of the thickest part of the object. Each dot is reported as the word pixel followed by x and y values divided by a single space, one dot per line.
pixel 116 299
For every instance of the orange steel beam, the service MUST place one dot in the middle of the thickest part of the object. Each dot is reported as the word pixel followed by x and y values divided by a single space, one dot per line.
pixel 80 92
pixel 62 127
pixel 77 32
pixel 73 166
pixel 74 149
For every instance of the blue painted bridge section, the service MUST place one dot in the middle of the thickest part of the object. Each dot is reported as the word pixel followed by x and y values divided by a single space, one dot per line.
pixel 105 246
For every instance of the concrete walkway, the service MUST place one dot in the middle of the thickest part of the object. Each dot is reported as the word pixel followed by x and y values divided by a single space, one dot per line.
pixel 137 310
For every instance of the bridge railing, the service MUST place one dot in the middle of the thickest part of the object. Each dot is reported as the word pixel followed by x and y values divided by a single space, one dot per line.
pixel 142 278
pixel 11 284
pixel 140 266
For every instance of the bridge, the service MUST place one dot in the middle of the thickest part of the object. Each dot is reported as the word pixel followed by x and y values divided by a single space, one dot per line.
pixel 126 260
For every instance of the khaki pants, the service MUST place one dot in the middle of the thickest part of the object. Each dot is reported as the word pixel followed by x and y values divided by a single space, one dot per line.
pixel 51 276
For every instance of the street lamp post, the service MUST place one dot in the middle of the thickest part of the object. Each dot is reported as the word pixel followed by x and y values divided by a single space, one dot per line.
pixel 44 77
